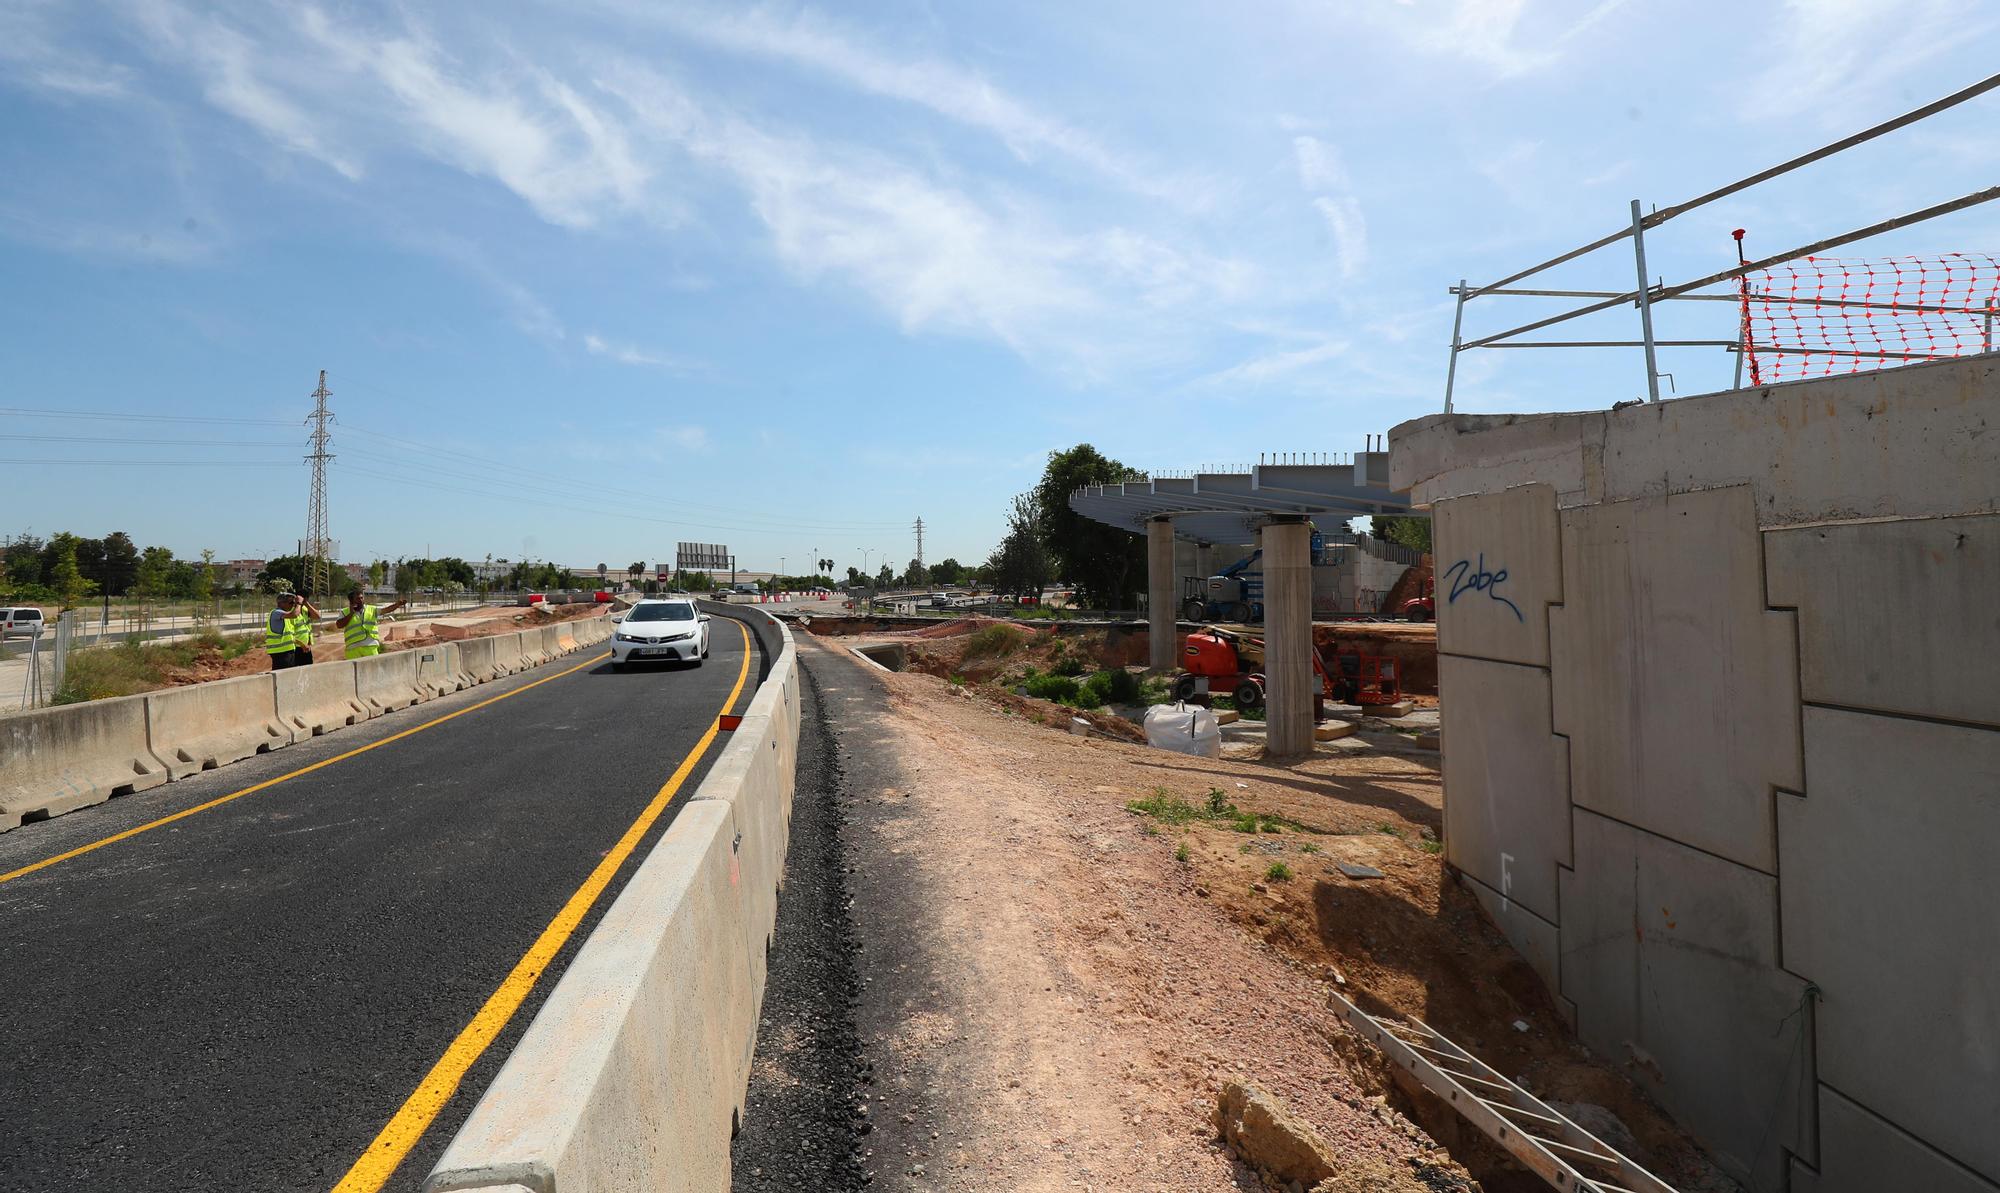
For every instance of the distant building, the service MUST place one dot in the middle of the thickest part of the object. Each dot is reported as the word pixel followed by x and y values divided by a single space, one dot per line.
pixel 242 571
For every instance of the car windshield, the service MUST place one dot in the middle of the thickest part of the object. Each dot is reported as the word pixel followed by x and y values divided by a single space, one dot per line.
pixel 673 612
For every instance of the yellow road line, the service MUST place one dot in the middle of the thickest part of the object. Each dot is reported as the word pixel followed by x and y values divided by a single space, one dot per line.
pixel 386 1152
pixel 184 813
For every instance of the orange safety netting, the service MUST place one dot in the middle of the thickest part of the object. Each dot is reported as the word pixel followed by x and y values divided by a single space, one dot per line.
pixel 1822 315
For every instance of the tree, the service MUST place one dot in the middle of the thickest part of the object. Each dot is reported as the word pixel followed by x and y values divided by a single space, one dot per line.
pixel 885 577
pixel 854 577
pixel 90 561
pixel 156 565
pixel 914 574
pixel 1106 565
pixel 408 578
pixel 204 586
pixel 24 560
pixel 636 568
pixel 378 573
pixel 121 563
pixel 1414 533
pixel 64 576
pixel 1021 565
pixel 947 572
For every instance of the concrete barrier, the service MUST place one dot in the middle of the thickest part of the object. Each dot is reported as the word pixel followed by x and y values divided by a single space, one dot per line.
pixel 627 1079
pixel 515 653
pixel 317 699
pixel 566 637
pixel 439 671
pixel 633 1074
pixel 206 725
pixel 478 662
pixel 60 759
pixel 387 682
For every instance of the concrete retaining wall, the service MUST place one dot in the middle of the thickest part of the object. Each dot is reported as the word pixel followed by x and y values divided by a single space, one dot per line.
pixel 206 725
pixel 633 1074
pixel 60 759
pixel 1723 732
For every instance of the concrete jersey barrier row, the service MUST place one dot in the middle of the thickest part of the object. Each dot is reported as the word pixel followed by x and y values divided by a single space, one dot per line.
pixel 56 760
pixel 633 1074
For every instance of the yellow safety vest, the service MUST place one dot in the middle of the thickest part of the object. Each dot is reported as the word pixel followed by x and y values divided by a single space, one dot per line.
pixel 362 640
pixel 281 642
pixel 302 630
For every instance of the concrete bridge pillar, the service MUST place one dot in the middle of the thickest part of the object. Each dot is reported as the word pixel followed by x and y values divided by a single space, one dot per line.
pixel 1288 645
pixel 1162 602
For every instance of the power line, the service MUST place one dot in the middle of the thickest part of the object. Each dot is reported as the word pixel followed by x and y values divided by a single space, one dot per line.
pixel 161 463
pixel 123 416
pixel 149 441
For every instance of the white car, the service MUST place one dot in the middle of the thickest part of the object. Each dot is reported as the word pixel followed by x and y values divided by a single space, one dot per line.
pixel 660 629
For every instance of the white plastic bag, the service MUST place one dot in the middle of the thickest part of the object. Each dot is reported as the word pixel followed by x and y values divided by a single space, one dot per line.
pixel 1184 729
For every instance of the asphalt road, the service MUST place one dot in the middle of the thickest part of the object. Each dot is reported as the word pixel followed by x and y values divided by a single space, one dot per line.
pixel 244 998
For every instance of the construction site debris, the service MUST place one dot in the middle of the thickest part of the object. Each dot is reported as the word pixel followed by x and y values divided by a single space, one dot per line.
pixel 1353 870
pixel 1184 729
pixel 1267 1137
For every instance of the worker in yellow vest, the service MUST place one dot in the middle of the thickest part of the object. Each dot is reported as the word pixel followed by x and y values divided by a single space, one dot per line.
pixel 281 633
pixel 303 616
pixel 362 625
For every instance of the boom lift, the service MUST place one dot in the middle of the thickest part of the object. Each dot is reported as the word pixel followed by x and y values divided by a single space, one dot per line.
pixel 1216 659
pixel 1235 594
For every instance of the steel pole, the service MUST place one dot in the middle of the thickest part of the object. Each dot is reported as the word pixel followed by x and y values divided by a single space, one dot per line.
pixel 1645 301
pixel 1457 325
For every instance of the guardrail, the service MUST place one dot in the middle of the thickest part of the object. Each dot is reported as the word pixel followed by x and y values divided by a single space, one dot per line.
pixel 56 760
pixel 633 1075
pixel 1646 294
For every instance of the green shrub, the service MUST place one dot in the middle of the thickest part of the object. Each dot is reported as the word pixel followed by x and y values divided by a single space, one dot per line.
pixel 1087 697
pixel 1060 688
pixel 1181 853
pixel 1279 872
pixel 1068 665
pixel 1164 805
pixel 996 641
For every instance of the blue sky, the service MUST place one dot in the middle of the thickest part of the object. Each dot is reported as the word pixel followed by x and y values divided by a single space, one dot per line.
pixel 592 278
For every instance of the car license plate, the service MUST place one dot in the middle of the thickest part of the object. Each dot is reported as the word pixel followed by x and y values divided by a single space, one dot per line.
pixel 654 650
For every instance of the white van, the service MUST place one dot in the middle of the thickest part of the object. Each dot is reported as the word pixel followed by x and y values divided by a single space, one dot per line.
pixel 22 622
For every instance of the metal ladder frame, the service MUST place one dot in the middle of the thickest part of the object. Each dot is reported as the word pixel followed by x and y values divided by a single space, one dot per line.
pixel 1505 1112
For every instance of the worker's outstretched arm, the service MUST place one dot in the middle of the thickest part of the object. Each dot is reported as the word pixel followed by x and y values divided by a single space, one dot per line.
pixel 388 609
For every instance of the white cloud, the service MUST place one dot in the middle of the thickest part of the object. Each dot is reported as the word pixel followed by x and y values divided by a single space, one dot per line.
pixel 627 354
pixel 936 256
pixel 544 142
pixel 1843 56
pixel 1489 33
pixel 1321 173
pixel 1274 366
pixel 229 65
pixel 31 54
pixel 806 39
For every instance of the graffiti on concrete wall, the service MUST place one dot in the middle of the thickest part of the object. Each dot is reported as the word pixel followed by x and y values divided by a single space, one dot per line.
pixel 1468 577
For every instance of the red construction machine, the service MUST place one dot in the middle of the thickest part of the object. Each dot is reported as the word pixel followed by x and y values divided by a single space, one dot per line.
pixel 1218 660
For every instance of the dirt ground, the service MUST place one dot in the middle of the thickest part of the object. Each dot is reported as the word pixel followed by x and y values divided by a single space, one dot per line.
pixel 1113 967
pixel 328 646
